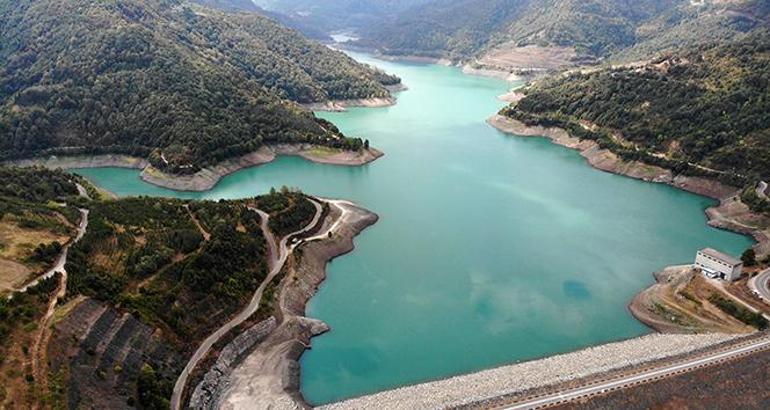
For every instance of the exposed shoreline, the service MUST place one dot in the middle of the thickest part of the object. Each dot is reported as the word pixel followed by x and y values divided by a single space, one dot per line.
pixel 208 177
pixel 268 375
pixel 730 214
pixel 498 73
pixel 343 105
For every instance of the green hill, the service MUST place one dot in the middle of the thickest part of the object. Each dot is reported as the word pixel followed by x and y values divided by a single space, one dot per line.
pixel 338 15
pixel 462 29
pixel 133 76
pixel 309 30
pixel 699 111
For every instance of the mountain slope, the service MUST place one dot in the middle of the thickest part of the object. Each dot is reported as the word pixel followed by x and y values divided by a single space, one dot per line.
pixel 133 76
pixel 700 111
pixel 338 15
pixel 249 6
pixel 230 5
pixel 464 29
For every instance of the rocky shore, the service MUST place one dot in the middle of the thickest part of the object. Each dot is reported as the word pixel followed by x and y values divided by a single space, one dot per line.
pixel 493 72
pixel 506 380
pixel 268 376
pixel 343 105
pixel 730 214
pixel 208 177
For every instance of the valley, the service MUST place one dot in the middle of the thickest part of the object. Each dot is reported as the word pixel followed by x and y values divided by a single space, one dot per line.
pixel 580 294
pixel 229 204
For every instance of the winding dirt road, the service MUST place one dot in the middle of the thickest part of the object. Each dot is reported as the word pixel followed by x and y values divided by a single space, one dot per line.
pixel 58 265
pixel 44 332
pixel 276 262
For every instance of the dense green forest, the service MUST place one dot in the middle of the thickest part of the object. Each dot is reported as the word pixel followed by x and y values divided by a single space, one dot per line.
pixel 308 28
pixel 136 76
pixel 704 110
pixel 337 15
pixel 289 210
pixel 462 29
pixel 34 196
pixel 36 184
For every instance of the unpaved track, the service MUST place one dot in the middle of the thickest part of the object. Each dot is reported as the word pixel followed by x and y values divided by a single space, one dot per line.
pixel 44 331
pixel 58 266
pixel 263 379
pixel 276 264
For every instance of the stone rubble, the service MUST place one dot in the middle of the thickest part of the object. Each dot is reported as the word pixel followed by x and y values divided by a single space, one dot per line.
pixel 487 384
pixel 206 392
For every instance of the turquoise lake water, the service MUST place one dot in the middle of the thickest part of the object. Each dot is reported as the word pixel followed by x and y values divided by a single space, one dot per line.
pixel 490 249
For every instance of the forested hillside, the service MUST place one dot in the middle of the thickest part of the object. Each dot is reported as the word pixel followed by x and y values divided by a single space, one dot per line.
pixel 249 6
pixel 704 110
pixel 338 15
pixel 462 29
pixel 136 76
pixel 147 282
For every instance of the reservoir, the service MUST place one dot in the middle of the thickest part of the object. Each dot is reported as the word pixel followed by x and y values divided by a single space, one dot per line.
pixel 491 249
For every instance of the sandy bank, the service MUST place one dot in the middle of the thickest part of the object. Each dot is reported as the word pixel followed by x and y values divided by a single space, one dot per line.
pixel 343 105
pixel 731 214
pixel 499 73
pixel 511 97
pixel 208 177
pixel 268 377
pixel 413 59
pixel 505 380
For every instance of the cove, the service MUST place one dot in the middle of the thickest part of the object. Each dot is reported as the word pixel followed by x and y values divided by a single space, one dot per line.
pixel 490 249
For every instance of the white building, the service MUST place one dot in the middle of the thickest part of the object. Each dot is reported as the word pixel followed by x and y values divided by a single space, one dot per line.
pixel 716 264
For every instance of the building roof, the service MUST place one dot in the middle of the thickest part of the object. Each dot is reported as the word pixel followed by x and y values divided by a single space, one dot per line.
pixel 721 256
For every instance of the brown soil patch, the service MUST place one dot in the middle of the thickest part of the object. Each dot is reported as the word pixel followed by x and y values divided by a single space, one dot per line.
pixel 13 275
pixel 512 57
pixel 18 242
pixel 679 303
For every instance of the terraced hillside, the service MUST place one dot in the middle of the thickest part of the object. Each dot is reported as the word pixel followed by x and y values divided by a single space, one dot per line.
pixel 97 349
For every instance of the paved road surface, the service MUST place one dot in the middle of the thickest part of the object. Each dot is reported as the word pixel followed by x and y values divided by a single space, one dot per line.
pixel 276 264
pixel 760 285
pixel 645 376
pixel 762 189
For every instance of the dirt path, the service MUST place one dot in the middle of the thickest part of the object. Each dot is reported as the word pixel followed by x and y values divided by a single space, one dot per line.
pixel 39 362
pixel 276 261
pixel 720 286
pixel 206 235
pixel 62 259
pixel 267 377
